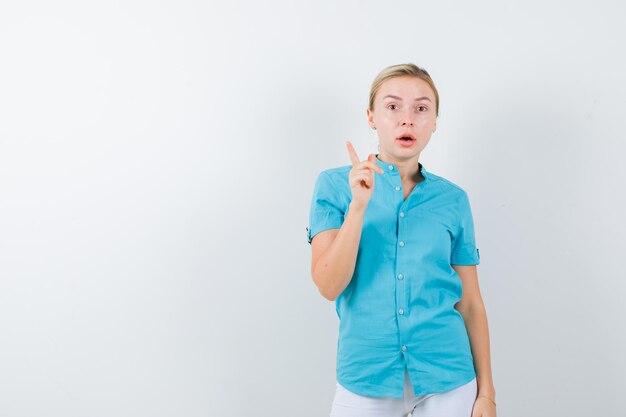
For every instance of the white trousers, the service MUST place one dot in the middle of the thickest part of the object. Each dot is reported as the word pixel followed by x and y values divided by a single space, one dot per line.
pixel 458 402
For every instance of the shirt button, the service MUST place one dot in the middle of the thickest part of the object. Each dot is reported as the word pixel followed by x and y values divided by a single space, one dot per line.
pixel 401 311
pixel 403 348
pixel 401 243
pixel 390 166
pixel 400 277
pixel 401 214
pixel 397 188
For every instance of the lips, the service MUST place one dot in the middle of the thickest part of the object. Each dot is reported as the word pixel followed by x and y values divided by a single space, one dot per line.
pixel 405 142
pixel 406 139
pixel 406 135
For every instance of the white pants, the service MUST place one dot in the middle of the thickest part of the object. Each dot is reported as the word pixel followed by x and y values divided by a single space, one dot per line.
pixel 458 402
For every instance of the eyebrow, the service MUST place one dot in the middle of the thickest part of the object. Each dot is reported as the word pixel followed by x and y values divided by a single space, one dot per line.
pixel 398 98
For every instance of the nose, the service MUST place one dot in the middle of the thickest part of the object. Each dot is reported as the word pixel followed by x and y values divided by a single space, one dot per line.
pixel 406 119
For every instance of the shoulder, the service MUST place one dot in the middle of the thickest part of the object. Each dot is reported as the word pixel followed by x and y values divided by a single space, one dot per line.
pixel 338 172
pixel 334 184
pixel 337 177
pixel 448 187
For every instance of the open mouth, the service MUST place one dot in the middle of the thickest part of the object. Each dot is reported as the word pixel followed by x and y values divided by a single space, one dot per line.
pixel 406 137
pixel 406 141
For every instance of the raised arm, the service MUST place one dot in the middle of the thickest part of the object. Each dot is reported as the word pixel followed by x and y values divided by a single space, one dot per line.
pixel 334 251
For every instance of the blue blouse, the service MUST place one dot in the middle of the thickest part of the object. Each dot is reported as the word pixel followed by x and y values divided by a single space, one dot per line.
pixel 398 309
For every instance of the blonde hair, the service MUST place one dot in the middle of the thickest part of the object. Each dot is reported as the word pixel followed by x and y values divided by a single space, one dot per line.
pixel 400 70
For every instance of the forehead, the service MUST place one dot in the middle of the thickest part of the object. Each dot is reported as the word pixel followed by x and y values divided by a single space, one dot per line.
pixel 406 87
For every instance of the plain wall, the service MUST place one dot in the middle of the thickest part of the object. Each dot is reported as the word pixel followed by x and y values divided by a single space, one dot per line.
pixel 157 161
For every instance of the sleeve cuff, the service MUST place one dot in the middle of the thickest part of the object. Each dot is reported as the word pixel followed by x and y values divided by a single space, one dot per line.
pixel 465 258
pixel 310 234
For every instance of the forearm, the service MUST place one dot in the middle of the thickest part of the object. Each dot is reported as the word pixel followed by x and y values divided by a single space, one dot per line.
pixel 335 267
pixel 478 332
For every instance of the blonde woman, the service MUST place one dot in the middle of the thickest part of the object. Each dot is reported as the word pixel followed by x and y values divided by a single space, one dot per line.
pixel 393 245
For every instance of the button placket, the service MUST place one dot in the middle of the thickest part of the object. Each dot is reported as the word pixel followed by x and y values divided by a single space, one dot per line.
pixel 401 287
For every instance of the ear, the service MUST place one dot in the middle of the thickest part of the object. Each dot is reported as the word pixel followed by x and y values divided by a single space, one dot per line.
pixel 370 117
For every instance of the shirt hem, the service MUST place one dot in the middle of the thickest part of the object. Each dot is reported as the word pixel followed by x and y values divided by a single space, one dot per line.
pixel 445 388
pixel 369 390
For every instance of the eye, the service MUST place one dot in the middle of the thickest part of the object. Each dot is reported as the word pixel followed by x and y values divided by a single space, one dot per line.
pixel 391 105
pixel 423 107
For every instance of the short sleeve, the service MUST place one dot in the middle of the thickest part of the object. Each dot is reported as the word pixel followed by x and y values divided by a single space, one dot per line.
pixel 327 208
pixel 464 251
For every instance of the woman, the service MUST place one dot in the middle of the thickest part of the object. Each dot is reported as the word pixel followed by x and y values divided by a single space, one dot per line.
pixel 393 244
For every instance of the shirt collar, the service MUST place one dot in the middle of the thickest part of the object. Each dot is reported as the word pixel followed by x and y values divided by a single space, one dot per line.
pixel 392 168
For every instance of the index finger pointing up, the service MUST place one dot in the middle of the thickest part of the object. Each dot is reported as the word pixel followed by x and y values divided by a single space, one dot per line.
pixel 353 156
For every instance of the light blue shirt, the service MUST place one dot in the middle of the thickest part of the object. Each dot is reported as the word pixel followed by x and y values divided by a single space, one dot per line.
pixel 398 309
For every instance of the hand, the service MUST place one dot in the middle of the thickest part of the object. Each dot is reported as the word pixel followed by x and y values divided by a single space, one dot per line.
pixel 483 408
pixel 362 177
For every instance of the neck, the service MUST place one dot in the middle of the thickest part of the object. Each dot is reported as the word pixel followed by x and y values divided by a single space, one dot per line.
pixel 407 168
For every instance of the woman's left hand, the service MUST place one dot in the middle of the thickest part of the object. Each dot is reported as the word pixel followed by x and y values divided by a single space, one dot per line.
pixel 483 407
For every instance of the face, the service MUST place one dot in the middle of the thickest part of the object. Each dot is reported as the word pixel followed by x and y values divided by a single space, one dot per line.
pixel 403 106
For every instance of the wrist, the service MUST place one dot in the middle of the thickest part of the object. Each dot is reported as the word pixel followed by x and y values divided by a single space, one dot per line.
pixel 486 392
pixel 485 398
pixel 357 208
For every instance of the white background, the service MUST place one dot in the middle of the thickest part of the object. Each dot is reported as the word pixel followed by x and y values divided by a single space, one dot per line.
pixel 157 161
